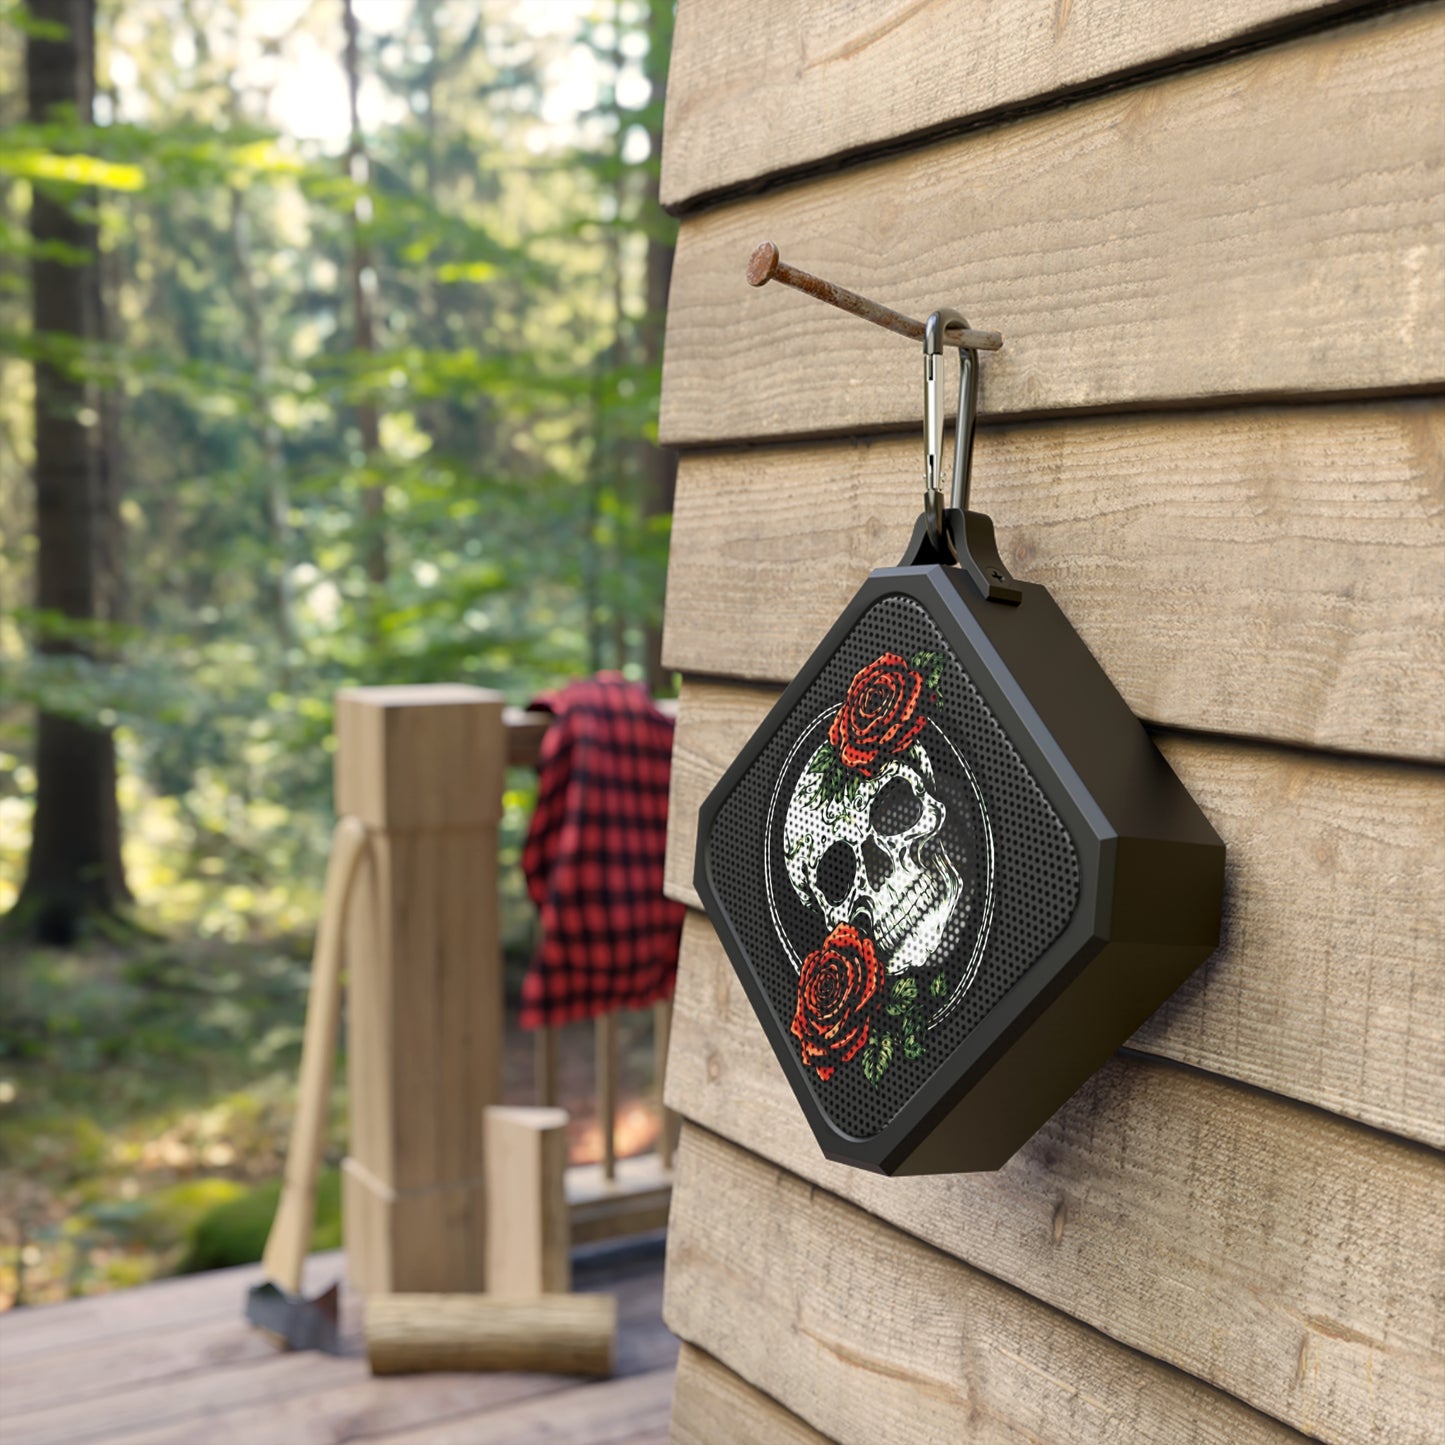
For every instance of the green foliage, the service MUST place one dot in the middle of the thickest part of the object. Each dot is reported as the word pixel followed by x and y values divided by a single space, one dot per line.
pixel 234 1230
pixel 877 1056
pixel 514 374
pixel 145 1091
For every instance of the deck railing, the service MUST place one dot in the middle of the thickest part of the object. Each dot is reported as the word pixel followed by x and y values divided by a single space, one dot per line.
pixel 423 767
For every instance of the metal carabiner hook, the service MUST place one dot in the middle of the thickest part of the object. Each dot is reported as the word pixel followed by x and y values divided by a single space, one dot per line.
pixel 933 502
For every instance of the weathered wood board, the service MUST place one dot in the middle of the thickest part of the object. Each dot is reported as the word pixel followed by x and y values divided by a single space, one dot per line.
pixel 175 1362
pixel 713 1406
pixel 1273 572
pixel 633 1410
pixel 1281 1254
pixel 794 1308
pixel 1329 986
pixel 1270 226
pixel 755 90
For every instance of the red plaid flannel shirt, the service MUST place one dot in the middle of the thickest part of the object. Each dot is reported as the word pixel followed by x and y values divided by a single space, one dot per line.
pixel 594 856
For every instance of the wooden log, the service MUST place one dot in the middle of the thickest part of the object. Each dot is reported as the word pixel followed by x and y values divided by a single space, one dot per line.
pixel 1327 988
pixel 571 1334
pixel 1269 226
pixel 835 81
pixel 1270 571
pixel 529 1234
pixel 1271 1250
pixel 422 768
pixel 713 1406
pixel 868 1334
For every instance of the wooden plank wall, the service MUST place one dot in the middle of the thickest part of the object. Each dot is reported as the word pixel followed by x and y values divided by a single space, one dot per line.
pixel 1214 238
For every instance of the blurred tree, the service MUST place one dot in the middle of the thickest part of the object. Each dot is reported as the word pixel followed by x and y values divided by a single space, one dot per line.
pixel 501 410
pixel 74 867
pixel 659 463
pixel 364 305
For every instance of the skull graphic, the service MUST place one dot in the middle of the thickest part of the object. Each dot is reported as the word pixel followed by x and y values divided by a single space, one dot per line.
pixel 877 850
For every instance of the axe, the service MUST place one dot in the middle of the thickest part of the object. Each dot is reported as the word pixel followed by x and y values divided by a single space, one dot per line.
pixel 277 1305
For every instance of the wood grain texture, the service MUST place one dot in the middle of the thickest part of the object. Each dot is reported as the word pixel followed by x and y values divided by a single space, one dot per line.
pixel 1282 1255
pixel 529 1228
pixel 634 1201
pixel 1271 572
pixel 175 1362
pixel 629 1411
pixel 713 1406
pixel 869 1334
pixel 1328 987
pixel 35 1339
pixel 557 1334
pixel 424 987
pixel 754 90
pixel 1270 226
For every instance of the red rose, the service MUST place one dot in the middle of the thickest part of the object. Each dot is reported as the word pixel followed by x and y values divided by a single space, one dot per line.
pixel 837 998
pixel 882 715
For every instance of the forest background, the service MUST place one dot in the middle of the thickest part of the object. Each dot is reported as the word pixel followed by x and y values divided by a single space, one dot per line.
pixel 330 341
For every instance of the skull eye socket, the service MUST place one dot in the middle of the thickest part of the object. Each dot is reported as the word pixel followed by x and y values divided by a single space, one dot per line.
pixel 896 808
pixel 835 872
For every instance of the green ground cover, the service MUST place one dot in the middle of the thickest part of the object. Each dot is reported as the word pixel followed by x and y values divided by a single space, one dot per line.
pixel 146 1092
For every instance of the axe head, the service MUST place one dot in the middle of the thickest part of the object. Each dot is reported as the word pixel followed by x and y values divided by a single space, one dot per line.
pixel 292 1320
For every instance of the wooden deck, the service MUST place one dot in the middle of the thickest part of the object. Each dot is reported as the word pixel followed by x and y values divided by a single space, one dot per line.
pixel 175 1364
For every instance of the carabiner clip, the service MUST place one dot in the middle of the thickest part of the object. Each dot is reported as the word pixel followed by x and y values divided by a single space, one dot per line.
pixel 933 502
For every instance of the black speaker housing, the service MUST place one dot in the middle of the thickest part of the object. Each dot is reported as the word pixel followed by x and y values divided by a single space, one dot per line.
pixel 1086 882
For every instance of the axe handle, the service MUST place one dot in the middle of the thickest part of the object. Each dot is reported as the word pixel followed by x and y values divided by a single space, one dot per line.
pixel 289 1241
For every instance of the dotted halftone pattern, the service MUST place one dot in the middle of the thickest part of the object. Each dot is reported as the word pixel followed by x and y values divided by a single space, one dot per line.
pixel 1017 863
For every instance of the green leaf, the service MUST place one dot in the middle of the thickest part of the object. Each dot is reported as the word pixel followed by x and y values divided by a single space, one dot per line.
pixel 939 986
pixel 74 169
pixel 912 1040
pixel 877 1056
pixel 930 664
pixel 834 780
pixel 903 996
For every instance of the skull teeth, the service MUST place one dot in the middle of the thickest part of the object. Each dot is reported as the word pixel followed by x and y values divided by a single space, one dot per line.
pixel 925 894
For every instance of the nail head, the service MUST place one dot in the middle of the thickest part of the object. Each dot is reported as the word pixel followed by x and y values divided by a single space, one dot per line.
pixel 763 264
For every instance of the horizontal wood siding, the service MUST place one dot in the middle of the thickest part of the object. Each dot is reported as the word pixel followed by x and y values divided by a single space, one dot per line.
pixel 712 1403
pixel 1272 572
pixel 1216 433
pixel 755 90
pixel 1270 226
pixel 1274 1251
pixel 1329 986
pixel 795 1307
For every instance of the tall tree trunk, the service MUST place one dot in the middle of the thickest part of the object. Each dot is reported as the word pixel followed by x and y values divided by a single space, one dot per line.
pixel 273 448
pixel 74 867
pixel 363 295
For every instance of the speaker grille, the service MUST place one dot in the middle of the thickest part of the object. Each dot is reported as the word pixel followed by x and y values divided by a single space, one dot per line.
pixel 889 865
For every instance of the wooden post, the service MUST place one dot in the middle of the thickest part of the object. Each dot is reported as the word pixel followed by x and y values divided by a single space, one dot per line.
pixel 529 1229
pixel 606 1050
pixel 422 768
pixel 544 1065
